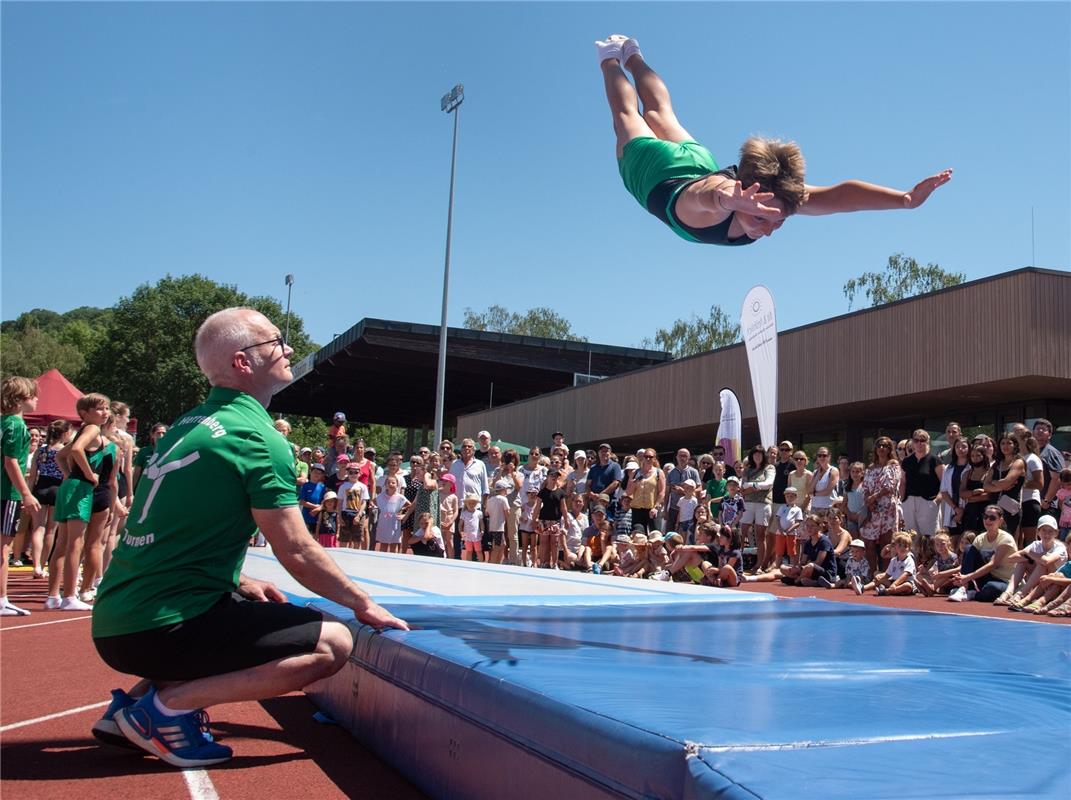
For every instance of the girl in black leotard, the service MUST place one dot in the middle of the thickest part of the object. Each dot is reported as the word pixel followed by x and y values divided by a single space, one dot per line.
pixel 1005 480
pixel 45 478
pixel 124 445
pixel 971 491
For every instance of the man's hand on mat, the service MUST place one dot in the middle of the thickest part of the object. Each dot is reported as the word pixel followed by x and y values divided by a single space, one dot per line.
pixel 378 617
pixel 260 591
pixel 924 188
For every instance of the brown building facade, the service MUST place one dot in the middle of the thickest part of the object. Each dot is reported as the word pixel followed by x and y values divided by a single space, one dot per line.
pixel 985 354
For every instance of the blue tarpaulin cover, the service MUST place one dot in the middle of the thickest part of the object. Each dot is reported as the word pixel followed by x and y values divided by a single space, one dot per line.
pixel 781 699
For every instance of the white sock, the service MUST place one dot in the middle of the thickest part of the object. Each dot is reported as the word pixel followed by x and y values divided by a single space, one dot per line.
pixel 630 48
pixel 168 712
pixel 3 600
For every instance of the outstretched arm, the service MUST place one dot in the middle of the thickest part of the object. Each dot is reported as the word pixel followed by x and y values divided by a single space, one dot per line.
pixel 861 196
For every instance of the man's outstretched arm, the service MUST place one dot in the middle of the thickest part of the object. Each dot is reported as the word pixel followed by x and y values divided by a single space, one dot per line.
pixel 862 196
pixel 302 557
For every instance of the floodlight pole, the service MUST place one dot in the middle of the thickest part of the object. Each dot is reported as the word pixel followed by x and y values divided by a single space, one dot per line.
pixel 450 103
pixel 289 287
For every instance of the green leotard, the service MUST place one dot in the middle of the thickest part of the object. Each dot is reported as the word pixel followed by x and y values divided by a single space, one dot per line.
pixel 74 498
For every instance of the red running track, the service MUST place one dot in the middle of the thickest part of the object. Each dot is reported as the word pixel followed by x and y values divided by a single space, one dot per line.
pixel 45 669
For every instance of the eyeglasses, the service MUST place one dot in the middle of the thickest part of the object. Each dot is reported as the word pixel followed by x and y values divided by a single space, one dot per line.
pixel 920 440
pixel 823 455
pixel 785 449
pixel 648 457
pixel 884 446
pixel 992 516
pixel 278 340
pixel 803 460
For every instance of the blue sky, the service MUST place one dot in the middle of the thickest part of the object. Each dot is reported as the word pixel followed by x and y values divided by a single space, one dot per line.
pixel 246 141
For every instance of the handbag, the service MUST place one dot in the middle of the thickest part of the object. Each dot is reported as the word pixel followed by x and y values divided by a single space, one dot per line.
pixel 1009 504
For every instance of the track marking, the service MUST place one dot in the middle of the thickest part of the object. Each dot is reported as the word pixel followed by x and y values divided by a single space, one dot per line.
pixel 39 624
pixel 47 717
pixel 199 784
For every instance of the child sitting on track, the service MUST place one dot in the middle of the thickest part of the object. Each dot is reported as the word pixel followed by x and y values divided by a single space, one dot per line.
pixel 899 576
pixel 856 568
pixel 937 577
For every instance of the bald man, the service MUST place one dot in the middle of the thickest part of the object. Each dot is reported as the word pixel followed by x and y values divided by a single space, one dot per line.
pixel 173 608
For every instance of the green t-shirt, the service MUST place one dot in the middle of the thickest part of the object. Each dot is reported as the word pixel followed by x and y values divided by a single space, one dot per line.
pixel 143 456
pixel 302 469
pixel 716 488
pixel 14 443
pixel 191 519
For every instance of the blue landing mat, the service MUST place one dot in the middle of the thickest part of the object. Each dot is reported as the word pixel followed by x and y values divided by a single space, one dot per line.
pixel 797 698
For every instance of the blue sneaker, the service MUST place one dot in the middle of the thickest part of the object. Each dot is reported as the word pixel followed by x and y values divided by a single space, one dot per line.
pixel 105 728
pixel 181 741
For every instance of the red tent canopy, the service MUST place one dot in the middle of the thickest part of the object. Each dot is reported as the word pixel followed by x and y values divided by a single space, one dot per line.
pixel 56 397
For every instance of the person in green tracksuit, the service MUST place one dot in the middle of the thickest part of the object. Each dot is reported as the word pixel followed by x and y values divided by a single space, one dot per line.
pixel 678 180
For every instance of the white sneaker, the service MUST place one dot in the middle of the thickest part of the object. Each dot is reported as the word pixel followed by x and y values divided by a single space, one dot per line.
pixel 608 49
pixel 74 604
pixel 857 584
pixel 629 48
pixel 958 595
pixel 52 604
pixel 9 609
pixel 90 596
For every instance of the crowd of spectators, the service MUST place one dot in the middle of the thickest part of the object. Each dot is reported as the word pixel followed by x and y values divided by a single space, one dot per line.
pixel 981 520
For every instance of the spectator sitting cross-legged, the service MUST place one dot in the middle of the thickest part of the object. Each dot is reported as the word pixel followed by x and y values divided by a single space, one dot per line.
pixel 818 561
pixel 899 577
pixel 937 577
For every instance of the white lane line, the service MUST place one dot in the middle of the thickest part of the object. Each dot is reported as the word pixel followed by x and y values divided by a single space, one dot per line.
pixel 39 624
pixel 199 784
pixel 47 717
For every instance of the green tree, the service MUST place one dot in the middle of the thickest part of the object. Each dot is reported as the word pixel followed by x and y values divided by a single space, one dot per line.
pixel 29 352
pixel 686 337
pixel 902 277
pixel 541 321
pixel 147 357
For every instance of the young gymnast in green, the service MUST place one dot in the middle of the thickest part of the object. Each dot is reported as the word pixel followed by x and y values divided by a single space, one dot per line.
pixel 677 179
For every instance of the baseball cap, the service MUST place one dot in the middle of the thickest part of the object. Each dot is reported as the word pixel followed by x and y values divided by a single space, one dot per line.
pixel 579 454
pixel 1047 521
pixel 623 538
pixel 788 489
pixel 482 434
pixel 501 484
pixel 330 496
pixel 340 417
pixel 342 459
pixel 471 496
pixel 604 444
pixel 306 449
pixel 599 510
pixel 676 538
pixel 557 433
pixel 858 543
pixel 320 467
pixel 690 482
pixel 656 537
pixel 733 479
pixel 631 465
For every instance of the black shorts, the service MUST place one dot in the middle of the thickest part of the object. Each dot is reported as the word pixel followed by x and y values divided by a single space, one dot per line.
pixel 45 489
pixel 1031 512
pixel 102 501
pixel 234 634
pixel 492 539
pixel 10 511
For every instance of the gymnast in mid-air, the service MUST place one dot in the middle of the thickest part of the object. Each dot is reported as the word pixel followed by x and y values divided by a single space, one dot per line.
pixel 677 179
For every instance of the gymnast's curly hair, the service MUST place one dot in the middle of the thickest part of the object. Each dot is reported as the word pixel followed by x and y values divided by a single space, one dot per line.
pixel 777 167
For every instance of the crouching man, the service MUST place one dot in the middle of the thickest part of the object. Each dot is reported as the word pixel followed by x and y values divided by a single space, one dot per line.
pixel 167 610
